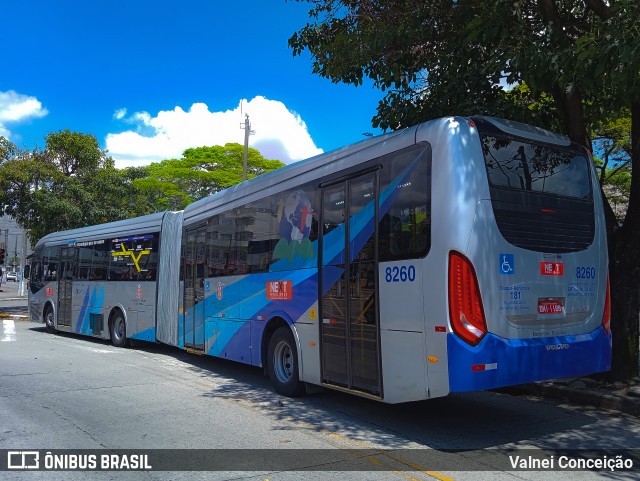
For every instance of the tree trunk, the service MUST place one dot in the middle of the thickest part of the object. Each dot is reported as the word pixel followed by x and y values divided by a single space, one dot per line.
pixel 624 244
pixel 625 306
pixel 573 113
pixel 624 268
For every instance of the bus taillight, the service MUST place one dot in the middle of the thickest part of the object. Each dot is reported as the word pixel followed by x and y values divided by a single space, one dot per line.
pixel 606 316
pixel 465 304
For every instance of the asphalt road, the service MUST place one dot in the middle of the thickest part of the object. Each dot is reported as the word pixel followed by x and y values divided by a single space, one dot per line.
pixel 67 392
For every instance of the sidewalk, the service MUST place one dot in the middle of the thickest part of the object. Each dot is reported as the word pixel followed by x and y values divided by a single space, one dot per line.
pixel 10 292
pixel 622 397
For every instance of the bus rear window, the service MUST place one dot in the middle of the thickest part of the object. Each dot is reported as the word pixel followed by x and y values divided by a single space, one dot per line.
pixel 515 164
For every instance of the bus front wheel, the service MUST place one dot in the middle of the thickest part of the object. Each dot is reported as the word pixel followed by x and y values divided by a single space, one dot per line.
pixel 118 330
pixel 282 363
pixel 48 320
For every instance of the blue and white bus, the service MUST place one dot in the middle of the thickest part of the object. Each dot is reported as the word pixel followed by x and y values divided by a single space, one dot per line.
pixel 103 280
pixel 457 255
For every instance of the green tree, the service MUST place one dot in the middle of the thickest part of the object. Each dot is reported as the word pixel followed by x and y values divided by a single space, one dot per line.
pixel 441 57
pixel 21 176
pixel 202 171
pixel 612 143
pixel 70 183
pixel 75 153
pixel 7 149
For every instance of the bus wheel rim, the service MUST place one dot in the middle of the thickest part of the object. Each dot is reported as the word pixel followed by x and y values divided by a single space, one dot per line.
pixel 283 362
pixel 119 330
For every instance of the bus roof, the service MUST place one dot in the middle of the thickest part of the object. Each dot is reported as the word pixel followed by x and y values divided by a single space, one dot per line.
pixel 300 172
pixel 290 176
pixel 145 224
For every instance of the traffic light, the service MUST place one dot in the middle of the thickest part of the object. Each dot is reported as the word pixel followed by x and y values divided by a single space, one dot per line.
pixel 2 252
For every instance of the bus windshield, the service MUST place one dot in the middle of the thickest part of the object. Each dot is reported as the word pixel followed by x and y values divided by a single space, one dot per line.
pixel 515 164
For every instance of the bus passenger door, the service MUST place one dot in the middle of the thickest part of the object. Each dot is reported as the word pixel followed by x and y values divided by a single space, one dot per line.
pixel 350 343
pixel 65 285
pixel 194 289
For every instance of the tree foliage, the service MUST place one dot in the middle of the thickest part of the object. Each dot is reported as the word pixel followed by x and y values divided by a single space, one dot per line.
pixel 441 57
pixel 202 171
pixel 70 183
pixel 435 58
pixel 75 153
pixel 7 149
pixel 612 144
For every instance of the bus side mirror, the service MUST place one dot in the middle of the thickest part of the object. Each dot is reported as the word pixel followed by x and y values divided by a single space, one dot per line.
pixel 27 270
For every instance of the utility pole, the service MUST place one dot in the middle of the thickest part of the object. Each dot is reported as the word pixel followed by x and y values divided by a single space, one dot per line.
pixel 6 250
pixel 247 132
pixel 22 290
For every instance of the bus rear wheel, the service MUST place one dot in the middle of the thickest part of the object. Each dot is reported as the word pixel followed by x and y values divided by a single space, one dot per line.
pixel 118 330
pixel 48 320
pixel 282 363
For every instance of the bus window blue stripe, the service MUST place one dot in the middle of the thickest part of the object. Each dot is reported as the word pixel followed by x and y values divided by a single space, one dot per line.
pixel 238 344
pixel 80 322
pixel 99 301
pixel 225 332
pixel 248 293
pixel 390 193
pixel 305 295
pixel 90 305
pixel 361 227
pixel 304 285
pixel 148 334
pixel 362 223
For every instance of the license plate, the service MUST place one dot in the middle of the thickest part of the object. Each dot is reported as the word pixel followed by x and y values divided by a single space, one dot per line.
pixel 550 306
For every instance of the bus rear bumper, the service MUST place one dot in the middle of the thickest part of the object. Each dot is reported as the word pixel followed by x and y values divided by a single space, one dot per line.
pixel 498 362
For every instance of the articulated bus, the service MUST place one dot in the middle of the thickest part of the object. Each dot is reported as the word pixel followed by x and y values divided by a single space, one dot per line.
pixel 461 254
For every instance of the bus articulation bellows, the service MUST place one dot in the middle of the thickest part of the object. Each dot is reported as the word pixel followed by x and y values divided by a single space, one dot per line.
pixel 460 254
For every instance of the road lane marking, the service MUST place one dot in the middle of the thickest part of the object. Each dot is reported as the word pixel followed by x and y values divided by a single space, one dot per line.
pixel 385 454
pixel 380 458
pixel 8 330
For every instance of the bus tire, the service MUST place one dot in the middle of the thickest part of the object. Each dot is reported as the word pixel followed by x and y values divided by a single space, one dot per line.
pixel 282 363
pixel 118 330
pixel 48 319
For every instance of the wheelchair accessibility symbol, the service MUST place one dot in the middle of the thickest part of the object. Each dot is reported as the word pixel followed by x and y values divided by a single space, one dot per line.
pixel 507 264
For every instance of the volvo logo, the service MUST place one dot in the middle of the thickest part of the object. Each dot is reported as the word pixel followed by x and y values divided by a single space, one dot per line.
pixel 557 347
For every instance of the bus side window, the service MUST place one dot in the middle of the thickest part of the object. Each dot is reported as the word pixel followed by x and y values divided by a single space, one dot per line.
pixel 100 261
pixel 405 228
pixel 50 261
pixel 35 276
pixel 394 235
pixel 259 234
pixel 214 261
pixel 36 272
pixel 52 272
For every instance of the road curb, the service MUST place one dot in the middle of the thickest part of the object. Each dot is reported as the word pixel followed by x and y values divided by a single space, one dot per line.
pixel 583 396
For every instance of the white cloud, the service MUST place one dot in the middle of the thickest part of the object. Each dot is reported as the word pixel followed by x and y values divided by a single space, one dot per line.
pixel 279 133
pixel 119 114
pixel 15 107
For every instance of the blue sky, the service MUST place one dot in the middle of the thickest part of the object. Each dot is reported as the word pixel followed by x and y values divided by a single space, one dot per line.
pixel 151 78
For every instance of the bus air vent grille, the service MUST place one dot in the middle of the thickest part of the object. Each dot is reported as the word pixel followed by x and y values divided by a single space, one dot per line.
pixel 562 230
